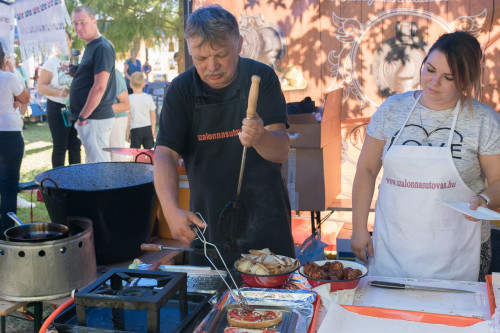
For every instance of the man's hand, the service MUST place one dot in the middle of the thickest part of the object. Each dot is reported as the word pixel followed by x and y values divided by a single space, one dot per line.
pixel 360 242
pixel 82 123
pixel 251 132
pixel 180 223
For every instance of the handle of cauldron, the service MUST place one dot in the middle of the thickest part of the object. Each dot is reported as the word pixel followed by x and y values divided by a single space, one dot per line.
pixel 43 181
pixel 150 158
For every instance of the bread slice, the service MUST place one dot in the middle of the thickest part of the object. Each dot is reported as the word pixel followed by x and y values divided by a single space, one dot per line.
pixel 254 319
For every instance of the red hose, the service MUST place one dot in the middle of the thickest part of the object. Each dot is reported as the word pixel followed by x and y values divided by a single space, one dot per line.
pixel 54 314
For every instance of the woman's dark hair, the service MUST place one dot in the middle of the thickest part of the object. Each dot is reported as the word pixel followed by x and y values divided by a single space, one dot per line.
pixel 2 56
pixel 463 54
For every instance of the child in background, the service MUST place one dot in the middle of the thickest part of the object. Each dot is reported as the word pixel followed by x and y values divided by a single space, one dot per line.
pixel 142 114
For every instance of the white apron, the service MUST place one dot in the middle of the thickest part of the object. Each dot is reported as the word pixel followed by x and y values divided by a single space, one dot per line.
pixel 415 236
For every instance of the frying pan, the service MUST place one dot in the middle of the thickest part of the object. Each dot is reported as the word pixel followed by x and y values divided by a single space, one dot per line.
pixel 34 232
pixel 234 217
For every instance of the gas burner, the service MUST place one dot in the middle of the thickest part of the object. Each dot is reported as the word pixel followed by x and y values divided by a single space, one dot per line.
pixel 137 292
pixel 117 289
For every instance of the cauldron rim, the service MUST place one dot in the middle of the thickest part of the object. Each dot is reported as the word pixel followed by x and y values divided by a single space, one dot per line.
pixel 52 178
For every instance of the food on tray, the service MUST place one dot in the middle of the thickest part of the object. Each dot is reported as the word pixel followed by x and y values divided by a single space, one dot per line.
pixel 264 262
pixel 254 319
pixel 331 270
pixel 248 330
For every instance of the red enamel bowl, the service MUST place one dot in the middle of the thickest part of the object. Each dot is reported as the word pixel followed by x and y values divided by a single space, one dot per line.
pixel 338 284
pixel 265 281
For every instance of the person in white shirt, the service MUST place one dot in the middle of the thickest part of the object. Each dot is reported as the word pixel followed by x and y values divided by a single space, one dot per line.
pixel 54 83
pixel 142 114
pixel 435 144
pixel 11 140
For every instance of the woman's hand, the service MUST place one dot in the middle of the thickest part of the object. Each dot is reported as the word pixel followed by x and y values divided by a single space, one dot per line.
pixel 474 202
pixel 63 92
pixel 361 241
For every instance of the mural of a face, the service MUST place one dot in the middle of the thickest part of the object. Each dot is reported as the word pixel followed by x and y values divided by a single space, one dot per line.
pixel 262 41
pixel 396 66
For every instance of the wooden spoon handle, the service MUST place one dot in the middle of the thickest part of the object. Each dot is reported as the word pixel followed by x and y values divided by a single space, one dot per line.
pixel 252 97
pixel 150 247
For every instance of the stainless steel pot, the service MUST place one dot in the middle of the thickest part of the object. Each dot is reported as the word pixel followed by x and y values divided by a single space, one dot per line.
pixel 34 232
pixel 35 271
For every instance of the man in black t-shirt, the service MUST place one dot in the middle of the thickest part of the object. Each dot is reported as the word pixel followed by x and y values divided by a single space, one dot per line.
pixel 93 89
pixel 203 119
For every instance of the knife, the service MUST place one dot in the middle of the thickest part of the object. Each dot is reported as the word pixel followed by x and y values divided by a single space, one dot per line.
pixel 393 285
pixel 158 247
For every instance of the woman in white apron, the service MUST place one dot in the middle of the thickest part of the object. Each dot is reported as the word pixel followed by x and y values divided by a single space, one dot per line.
pixel 434 144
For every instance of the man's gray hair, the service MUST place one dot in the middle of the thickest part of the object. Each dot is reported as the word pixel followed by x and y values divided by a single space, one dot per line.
pixel 86 9
pixel 213 24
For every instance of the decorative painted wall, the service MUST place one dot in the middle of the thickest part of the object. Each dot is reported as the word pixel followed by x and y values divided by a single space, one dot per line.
pixel 371 48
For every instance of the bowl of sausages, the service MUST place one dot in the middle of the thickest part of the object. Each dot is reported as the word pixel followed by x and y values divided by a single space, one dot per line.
pixel 340 274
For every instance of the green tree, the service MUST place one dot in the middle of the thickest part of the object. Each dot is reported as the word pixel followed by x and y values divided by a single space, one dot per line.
pixel 126 22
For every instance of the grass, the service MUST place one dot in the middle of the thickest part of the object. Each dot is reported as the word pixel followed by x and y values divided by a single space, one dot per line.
pixel 38 147
pixel 37 159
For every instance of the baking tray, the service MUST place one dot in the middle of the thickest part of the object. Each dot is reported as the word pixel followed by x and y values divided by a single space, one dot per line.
pixel 298 300
pixel 218 322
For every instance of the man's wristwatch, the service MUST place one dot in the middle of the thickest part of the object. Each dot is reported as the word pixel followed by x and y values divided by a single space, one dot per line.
pixel 81 118
pixel 485 197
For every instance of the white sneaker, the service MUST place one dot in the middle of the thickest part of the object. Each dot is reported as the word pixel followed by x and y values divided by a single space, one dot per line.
pixel 22 203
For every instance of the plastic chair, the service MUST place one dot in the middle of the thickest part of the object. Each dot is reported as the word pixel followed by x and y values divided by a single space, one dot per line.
pixel 157 90
pixel 37 110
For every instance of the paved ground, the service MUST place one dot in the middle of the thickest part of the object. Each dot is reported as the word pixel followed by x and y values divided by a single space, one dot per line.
pixel 17 323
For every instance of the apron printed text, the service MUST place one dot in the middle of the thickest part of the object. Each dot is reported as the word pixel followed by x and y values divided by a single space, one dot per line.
pixel 218 136
pixel 422 185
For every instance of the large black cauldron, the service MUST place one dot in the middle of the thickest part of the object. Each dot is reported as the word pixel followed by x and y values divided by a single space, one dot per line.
pixel 116 196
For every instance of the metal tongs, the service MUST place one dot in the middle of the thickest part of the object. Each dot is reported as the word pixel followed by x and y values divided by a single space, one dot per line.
pixel 240 299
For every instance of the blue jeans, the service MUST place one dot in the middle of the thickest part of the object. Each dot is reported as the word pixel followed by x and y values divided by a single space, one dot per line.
pixel 11 155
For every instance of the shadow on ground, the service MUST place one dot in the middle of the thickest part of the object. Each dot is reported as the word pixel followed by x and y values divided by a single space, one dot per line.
pixel 17 323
